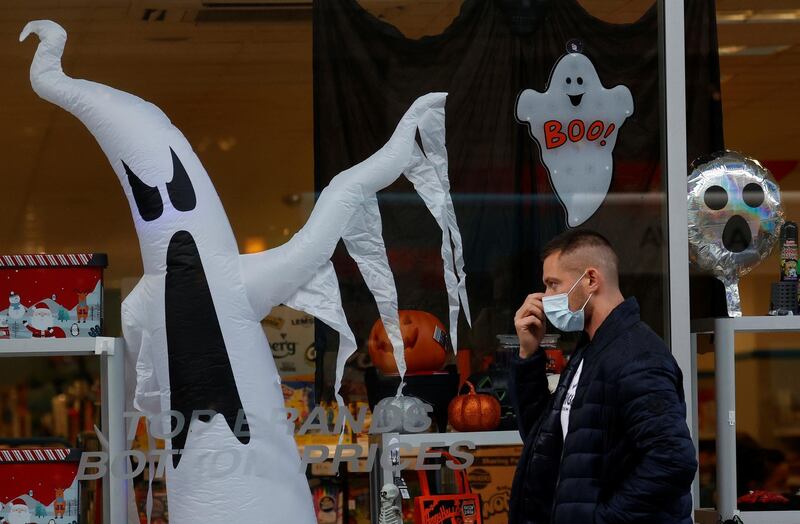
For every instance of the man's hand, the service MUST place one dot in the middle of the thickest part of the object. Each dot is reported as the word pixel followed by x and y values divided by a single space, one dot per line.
pixel 530 324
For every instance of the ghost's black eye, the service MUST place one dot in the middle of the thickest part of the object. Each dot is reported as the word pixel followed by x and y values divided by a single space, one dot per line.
pixel 180 190
pixel 580 81
pixel 716 198
pixel 569 80
pixel 148 199
pixel 753 194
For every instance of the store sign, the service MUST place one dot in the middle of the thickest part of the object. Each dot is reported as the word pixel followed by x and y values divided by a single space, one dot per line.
pixel 239 463
pixel 575 122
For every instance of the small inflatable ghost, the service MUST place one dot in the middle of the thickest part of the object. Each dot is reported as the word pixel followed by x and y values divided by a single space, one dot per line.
pixel 197 354
pixel 575 122
pixel 735 217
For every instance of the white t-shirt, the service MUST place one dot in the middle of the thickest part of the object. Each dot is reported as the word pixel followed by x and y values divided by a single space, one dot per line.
pixel 567 406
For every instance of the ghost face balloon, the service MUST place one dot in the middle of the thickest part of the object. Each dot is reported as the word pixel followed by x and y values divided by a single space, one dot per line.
pixel 575 122
pixel 735 217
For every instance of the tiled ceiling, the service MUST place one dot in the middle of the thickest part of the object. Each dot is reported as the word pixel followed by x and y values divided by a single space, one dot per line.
pixel 241 92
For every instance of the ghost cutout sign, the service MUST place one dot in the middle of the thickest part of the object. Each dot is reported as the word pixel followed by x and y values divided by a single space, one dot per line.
pixel 575 122
pixel 197 360
pixel 735 217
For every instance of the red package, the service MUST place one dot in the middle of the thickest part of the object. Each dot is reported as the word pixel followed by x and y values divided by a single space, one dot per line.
pixel 51 296
pixel 38 485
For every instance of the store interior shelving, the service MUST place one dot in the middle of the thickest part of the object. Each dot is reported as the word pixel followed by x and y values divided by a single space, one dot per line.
pixel 725 330
pixel 110 350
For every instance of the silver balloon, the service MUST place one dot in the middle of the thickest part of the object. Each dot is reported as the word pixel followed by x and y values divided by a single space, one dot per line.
pixel 402 414
pixel 735 217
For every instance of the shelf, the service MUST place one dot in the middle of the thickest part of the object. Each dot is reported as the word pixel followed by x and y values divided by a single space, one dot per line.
pixel 479 438
pixel 759 324
pixel 48 347
pixel 112 389
pixel 709 516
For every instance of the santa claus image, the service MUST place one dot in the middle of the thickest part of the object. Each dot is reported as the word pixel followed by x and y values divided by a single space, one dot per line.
pixel 18 513
pixel 41 323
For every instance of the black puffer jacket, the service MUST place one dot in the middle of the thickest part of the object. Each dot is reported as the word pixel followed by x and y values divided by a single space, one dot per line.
pixel 628 456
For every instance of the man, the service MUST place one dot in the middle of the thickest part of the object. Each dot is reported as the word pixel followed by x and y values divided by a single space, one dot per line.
pixel 611 444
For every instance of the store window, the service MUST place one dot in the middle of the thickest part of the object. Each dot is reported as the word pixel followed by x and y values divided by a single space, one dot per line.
pixel 554 120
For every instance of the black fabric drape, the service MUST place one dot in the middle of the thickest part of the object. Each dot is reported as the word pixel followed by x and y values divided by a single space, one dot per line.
pixel 366 74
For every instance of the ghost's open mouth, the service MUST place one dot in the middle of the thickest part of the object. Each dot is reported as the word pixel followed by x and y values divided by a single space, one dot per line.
pixel 575 99
pixel 736 236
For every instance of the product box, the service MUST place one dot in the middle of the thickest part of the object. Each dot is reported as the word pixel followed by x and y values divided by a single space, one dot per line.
pixel 51 296
pixel 291 338
pixel 39 486
pixel 328 502
pixel 491 476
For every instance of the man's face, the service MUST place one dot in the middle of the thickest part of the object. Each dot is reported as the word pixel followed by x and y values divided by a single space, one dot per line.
pixel 559 277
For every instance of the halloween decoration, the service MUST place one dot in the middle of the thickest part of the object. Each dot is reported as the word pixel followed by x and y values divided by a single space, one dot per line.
pixel 463 506
pixel 192 323
pixel 734 217
pixel 402 414
pixel 390 510
pixel 436 388
pixel 575 122
pixel 784 298
pixel 494 382
pixel 424 340
pixel 789 256
pixel 474 411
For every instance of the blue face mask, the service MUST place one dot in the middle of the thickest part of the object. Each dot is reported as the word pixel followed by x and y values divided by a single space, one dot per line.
pixel 556 307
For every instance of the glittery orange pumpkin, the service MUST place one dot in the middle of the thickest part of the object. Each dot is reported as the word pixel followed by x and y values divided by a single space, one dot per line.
pixel 423 339
pixel 474 411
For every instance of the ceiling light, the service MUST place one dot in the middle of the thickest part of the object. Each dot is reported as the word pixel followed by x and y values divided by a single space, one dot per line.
pixel 727 50
pixel 784 15
pixel 734 17
pixel 744 16
pixel 755 50
pixel 254 244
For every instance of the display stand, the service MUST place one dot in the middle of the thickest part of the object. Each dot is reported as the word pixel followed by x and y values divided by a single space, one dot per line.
pixel 725 330
pixel 381 473
pixel 112 385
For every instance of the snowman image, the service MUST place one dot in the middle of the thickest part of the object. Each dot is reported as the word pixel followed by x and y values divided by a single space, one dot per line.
pixel 18 513
pixel 15 308
pixel 575 123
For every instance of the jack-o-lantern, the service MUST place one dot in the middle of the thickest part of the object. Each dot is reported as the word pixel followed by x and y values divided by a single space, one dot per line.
pixel 474 411
pixel 424 339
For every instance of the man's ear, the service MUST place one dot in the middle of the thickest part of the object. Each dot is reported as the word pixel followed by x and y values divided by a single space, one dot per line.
pixel 595 279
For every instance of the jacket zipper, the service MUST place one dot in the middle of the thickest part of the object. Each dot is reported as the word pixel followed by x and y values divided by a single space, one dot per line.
pixel 564 437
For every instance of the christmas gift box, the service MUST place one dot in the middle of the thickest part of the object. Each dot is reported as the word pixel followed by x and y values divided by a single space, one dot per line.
pixel 39 486
pixel 51 296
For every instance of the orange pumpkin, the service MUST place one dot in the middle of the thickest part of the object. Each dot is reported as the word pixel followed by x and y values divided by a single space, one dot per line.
pixel 474 411
pixel 423 337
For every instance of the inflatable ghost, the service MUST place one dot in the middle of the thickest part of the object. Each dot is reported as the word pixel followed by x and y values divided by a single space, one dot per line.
pixel 201 364
pixel 576 122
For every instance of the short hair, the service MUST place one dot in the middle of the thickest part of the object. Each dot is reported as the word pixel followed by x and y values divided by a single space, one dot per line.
pixel 574 240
